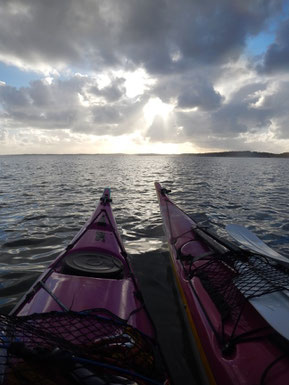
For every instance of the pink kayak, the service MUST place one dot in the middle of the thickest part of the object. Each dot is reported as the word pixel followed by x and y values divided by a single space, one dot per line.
pixel 84 320
pixel 226 292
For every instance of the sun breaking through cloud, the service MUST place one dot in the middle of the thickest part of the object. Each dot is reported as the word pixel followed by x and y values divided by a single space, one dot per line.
pixel 149 76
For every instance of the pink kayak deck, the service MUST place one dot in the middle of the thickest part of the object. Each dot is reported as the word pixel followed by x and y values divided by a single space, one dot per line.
pixel 57 290
pixel 249 362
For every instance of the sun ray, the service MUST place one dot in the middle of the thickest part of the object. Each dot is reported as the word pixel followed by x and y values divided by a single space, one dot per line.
pixel 156 107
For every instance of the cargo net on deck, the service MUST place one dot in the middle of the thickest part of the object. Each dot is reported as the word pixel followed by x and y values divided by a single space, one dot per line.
pixel 231 280
pixel 88 348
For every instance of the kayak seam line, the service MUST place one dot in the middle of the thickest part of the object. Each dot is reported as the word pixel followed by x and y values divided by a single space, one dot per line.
pixel 59 303
pixel 202 353
pixel 204 359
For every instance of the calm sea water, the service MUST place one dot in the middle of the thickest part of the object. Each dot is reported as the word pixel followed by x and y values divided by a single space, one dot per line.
pixel 44 200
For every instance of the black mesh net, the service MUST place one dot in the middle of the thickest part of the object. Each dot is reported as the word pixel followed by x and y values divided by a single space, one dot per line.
pixel 91 347
pixel 232 279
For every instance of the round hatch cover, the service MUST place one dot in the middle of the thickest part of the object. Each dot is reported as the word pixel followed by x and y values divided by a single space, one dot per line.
pixel 93 264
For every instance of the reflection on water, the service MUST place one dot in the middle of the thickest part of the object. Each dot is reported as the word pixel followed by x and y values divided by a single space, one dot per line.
pixel 44 200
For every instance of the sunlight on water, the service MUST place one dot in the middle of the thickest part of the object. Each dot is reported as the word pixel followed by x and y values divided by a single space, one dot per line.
pixel 44 200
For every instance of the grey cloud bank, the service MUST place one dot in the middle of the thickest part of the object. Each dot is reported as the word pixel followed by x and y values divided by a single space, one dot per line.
pixel 136 32
pixel 188 48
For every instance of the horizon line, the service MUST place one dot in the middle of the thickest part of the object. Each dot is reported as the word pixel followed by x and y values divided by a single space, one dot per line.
pixel 154 153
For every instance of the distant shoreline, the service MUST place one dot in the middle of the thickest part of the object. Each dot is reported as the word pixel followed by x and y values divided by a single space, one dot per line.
pixel 243 154
pixel 222 154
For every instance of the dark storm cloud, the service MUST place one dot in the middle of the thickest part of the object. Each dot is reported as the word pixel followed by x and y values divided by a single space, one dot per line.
pixel 162 35
pixel 56 32
pixel 171 36
pixel 241 115
pixel 235 119
pixel 277 56
pixel 200 94
pixel 190 89
pixel 215 31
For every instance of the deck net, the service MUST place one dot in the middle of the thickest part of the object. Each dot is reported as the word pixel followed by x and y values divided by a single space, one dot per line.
pixel 76 348
pixel 232 280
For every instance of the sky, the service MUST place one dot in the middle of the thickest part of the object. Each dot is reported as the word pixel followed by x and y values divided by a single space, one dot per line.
pixel 144 76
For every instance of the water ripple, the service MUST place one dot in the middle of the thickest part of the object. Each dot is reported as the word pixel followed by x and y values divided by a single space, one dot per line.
pixel 44 200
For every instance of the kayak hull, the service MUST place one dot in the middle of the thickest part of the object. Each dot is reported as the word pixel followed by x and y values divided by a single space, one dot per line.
pixel 84 320
pixel 113 295
pixel 58 289
pixel 224 359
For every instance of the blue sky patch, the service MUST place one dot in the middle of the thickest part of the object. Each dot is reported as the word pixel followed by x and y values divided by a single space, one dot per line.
pixel 258 45
pixel 14 77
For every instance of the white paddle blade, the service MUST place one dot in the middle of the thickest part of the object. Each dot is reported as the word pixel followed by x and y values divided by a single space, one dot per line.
pixel 249 240
pixel 274 308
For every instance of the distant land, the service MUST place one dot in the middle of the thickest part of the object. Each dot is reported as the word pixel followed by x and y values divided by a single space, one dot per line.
pixel 223 154
pixel 226 154
pixel 243 154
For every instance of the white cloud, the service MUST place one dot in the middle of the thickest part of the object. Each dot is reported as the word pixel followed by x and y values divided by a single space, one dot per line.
pixel 134 74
